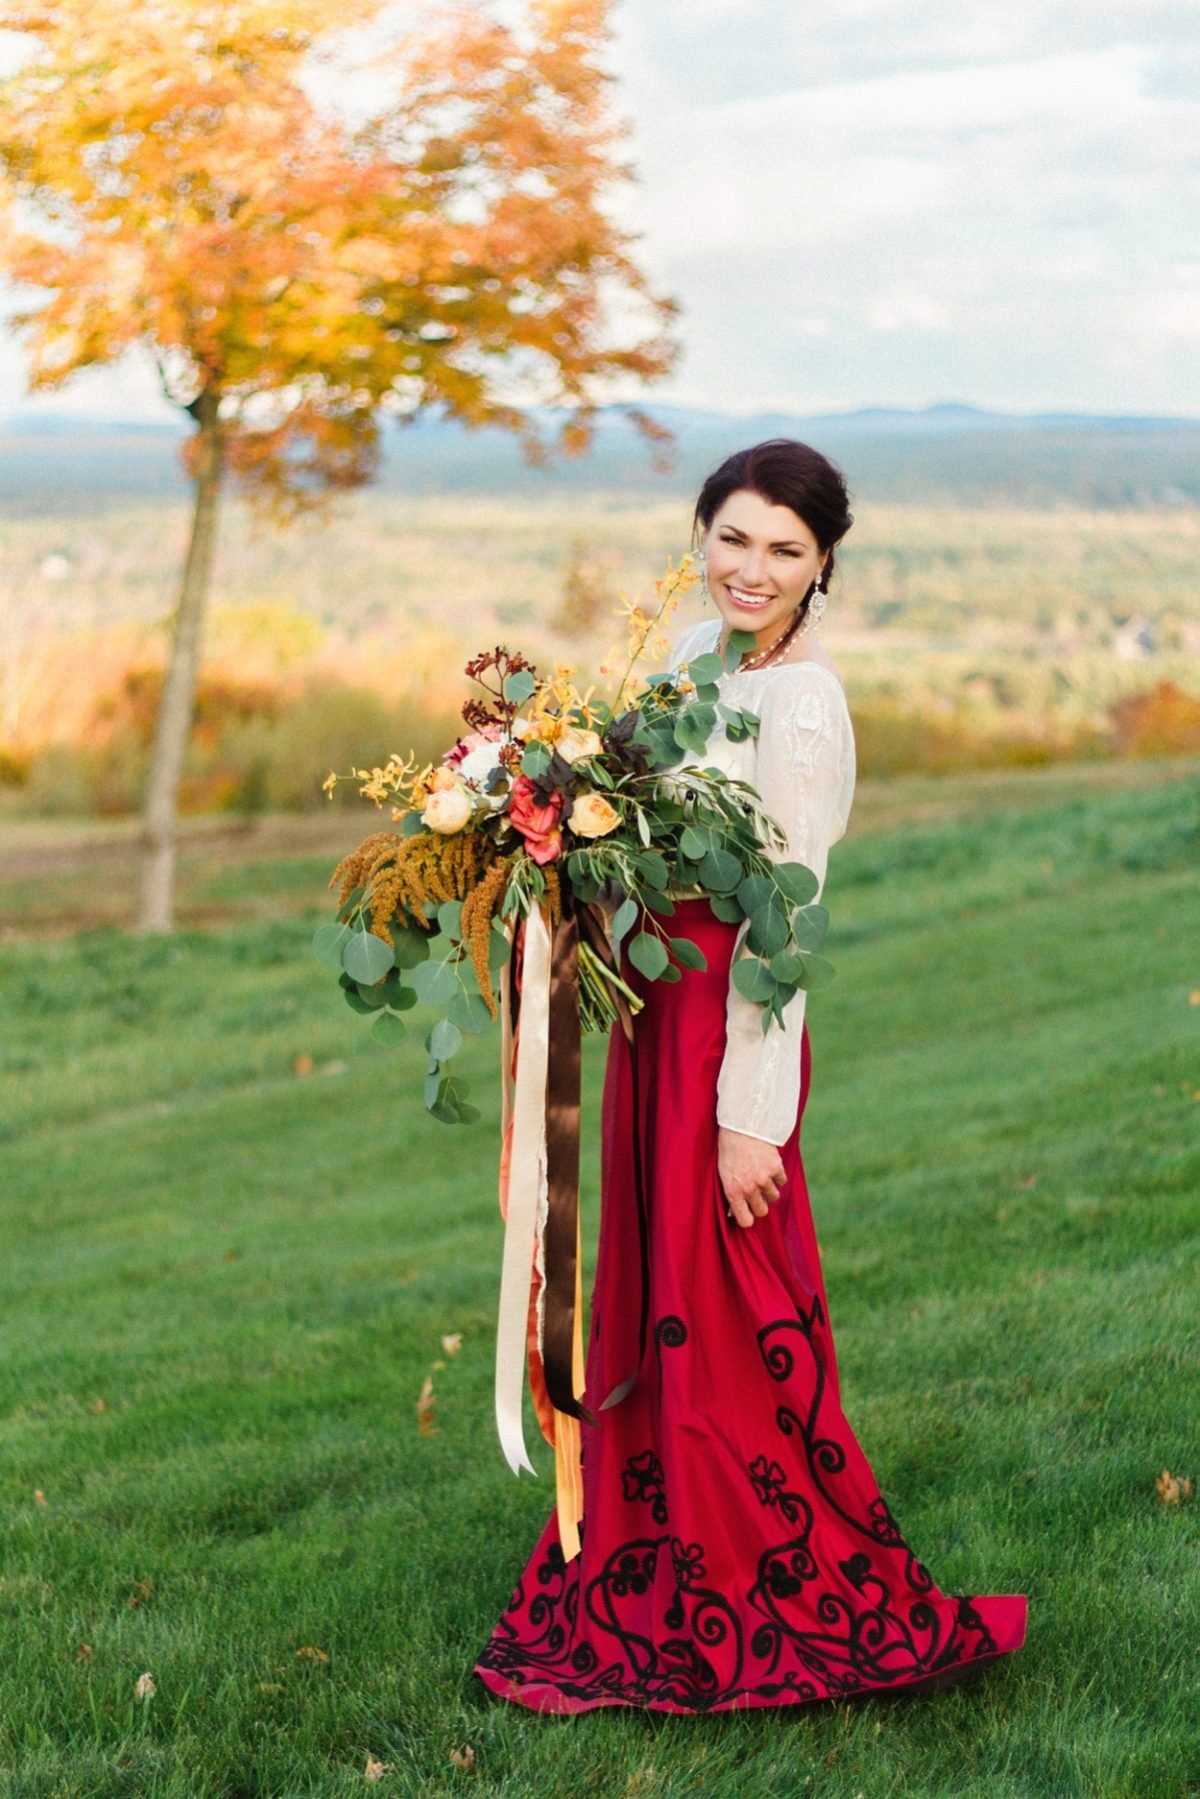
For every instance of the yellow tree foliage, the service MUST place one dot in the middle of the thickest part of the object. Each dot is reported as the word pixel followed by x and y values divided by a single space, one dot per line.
pixel 195 178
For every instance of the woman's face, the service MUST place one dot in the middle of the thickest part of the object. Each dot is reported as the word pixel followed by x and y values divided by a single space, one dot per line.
pixel 761 560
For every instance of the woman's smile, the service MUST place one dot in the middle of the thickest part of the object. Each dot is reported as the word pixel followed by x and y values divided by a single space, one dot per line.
pixel 741 598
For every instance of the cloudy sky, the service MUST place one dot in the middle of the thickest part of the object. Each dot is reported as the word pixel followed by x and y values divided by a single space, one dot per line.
pixel 878 203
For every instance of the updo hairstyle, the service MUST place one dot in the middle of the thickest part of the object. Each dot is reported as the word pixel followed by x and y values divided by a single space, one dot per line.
pixel 783 472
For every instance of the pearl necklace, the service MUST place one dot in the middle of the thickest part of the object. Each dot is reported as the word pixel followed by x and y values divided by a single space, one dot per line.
pixel 762 658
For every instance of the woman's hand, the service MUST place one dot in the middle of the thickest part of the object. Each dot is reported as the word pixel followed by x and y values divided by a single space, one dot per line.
pixel 751 1173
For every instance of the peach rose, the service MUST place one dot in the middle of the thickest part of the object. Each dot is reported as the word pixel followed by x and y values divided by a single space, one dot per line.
pixel 447 810
pixel 592 816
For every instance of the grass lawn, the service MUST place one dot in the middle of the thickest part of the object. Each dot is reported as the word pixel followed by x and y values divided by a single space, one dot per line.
pixel 223 1283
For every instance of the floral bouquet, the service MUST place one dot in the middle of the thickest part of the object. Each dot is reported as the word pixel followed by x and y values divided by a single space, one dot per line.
pixel 545 840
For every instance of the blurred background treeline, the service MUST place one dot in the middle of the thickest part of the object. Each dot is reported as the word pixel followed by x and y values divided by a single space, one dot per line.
pixel 1014 592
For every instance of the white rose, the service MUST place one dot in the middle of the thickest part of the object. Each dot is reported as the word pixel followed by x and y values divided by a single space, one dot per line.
pixel 479 764
pixel 576 743
pixel 448 810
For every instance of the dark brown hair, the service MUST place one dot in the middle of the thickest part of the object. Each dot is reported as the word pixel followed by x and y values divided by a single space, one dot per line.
pixel 785 473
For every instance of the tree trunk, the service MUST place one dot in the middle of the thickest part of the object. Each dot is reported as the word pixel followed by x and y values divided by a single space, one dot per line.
pixel 173 728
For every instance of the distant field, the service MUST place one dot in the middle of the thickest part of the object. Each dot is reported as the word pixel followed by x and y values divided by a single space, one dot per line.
pixel 1004 618
pixel 233 1243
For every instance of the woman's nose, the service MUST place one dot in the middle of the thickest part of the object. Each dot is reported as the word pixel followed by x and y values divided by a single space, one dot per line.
pixel 753 568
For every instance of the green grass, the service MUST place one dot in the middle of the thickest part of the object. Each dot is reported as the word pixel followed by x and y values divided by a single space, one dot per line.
pixel 222 1285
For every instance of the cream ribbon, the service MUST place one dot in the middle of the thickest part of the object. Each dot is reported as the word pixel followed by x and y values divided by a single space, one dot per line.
pixel 528 1187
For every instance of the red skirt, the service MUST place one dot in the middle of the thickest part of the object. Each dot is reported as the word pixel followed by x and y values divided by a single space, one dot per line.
pixel 736 1550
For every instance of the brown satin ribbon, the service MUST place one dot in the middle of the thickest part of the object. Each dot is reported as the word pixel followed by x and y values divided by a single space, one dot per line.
pixel 592 923
pixel 562 1166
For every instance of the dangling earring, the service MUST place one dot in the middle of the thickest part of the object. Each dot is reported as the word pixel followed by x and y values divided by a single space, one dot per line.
pixel 704 593
pixel 816 606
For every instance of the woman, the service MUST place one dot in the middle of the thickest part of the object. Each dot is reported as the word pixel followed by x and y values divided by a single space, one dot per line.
pixel 736 1550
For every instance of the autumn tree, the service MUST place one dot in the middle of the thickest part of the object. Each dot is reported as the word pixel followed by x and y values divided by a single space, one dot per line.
pixel 193 178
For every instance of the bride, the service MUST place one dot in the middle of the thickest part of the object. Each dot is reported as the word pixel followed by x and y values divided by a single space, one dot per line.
pixel 735 1548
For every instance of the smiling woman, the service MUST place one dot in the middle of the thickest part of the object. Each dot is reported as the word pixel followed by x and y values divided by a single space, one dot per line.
pixel 735 1549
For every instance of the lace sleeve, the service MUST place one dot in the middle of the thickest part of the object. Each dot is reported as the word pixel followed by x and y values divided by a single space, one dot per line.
pixel 804 773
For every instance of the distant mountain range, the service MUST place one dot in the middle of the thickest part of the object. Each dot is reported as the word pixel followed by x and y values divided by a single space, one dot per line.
pixel 946 452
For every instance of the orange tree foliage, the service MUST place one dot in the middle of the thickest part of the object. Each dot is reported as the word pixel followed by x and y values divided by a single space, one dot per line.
pixel 169 180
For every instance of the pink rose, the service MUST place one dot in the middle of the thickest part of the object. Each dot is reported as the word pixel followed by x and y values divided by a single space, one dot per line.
pixel 537 823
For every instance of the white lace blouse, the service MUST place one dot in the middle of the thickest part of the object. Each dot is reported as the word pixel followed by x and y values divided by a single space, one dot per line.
pixel 802 764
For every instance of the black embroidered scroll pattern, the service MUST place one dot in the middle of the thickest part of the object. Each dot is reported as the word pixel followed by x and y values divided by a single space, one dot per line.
pixel 700 1619
pixel 823 1632
pixel 643 1482
pixel 825 1455
pixel 669 1333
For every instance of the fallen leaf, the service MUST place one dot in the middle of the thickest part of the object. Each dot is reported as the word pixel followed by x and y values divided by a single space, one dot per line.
pixel 99 1405
pixel 463 1758
pixel 143 1591
pixel 85 1652
pixel 144 1687
pixel 1031 1180
pixel 453 1343
pixel 376 1770
pixel 302 1066
pixel 1194 997
pixel 427 1408
pixel 39 1498
pixel 1172 1490
pixel 309 1652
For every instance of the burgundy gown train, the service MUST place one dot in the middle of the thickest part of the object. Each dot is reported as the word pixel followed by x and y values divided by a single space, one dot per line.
pixel 736 1548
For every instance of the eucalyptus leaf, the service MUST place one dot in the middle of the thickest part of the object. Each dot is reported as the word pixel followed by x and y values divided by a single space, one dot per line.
pixel 695 841
pixel 536 759
pixel 469 1011
pixel 726 908
pixel 400 998
pixel 687 952
pixel 519 686
pixel 648 954
pixel 652 866
pixel 708 667
pixel 769 930
pixel 445 1040
pixel 435 983
pixel 798 882
pixel 329 940
pixel 755 891
pixel 643 827
pixel 624 919
pixel 809 927
pixel 720 871
pixel 375 998
pixel 788 966
pixel 753 978
pixel 412 824
pixel 657 903
pixel 670 973
pixel 387 1030
pixel 367 958
pixel 498 946
pixel 411 945
pixel 449 915
pixel 356 1002
pixel 740 644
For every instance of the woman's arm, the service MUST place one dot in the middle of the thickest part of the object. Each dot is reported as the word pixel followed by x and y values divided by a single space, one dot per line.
pixel 804 771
